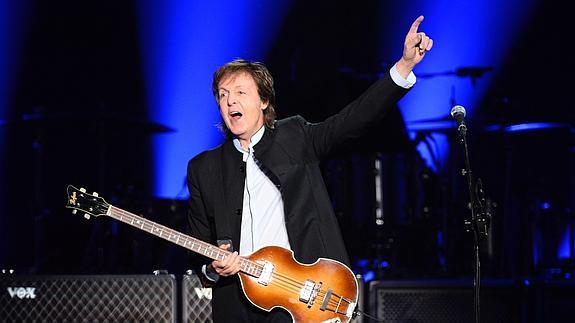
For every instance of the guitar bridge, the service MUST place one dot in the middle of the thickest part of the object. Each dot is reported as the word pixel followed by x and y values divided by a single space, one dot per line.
pixel 340 301
pixel 350 309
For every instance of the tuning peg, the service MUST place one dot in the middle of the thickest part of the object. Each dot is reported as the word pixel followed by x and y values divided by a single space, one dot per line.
pixel 74 211
pixel 83 190
pixel 95 194
pixel 87 216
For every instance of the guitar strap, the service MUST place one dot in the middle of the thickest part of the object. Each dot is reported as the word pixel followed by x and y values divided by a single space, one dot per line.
pixel 226 241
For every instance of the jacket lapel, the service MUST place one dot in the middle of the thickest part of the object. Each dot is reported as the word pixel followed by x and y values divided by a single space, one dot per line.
pixel 233 178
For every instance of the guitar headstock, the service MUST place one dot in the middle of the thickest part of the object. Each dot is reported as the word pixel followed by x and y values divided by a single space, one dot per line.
pixel 90 204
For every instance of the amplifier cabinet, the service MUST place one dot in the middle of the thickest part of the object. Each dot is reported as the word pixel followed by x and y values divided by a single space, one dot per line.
pixel 196 300
pixel 79 298
pixel 443 301
pixel 360 299
pixel 555 301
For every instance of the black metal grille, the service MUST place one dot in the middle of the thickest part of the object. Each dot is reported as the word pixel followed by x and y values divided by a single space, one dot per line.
pixel 424 306
pixel 414 301
pixel 139 298
pixel 196 300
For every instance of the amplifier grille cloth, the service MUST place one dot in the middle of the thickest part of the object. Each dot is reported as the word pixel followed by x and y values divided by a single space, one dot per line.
pixel 196 300
pixel 136 298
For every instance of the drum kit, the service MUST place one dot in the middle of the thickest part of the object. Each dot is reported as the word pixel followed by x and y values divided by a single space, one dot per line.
pixel 523 163
pixel 45 151
pixel 84 135
pixel 110 123
pixel 93 132
pixel 530 171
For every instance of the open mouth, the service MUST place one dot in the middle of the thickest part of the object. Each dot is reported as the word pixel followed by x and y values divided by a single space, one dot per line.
pixel 236 114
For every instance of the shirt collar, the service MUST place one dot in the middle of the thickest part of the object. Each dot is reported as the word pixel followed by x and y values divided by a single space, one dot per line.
pixel 253 141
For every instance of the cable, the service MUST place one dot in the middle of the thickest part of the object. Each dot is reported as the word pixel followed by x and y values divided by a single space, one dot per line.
pixel 250 155
pixel 360 313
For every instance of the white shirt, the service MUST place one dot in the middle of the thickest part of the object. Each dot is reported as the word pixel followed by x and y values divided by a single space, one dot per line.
pixel 263 221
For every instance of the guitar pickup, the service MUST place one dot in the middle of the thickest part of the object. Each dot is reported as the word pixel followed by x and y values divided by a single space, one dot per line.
pixel 266 275
pixel 306 291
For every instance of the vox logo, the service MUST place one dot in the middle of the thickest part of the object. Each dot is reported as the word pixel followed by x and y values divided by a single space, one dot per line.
pixel 22 292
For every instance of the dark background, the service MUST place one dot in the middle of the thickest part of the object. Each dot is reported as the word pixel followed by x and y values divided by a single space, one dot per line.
pixel 81 93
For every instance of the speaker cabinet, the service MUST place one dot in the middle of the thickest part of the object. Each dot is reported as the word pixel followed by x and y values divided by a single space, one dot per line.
pixel 102 298
pixel 443 301
pixel 196 300
pixel 555 301
pixel 360 300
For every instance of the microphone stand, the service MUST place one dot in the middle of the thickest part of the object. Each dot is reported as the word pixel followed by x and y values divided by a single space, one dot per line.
pixel 480 217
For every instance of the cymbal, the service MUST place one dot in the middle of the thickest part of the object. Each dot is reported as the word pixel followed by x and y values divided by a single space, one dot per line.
pixel 86 122
pixel 443 124
pixel 529 127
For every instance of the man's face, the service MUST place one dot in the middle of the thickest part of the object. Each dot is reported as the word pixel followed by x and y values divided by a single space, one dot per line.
pixel 240 105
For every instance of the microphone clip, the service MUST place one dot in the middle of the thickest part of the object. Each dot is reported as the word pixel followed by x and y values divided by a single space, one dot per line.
pixel 458 114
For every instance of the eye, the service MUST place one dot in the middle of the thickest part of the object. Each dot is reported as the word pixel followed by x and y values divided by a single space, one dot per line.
pixel 223 94
pixel 242 92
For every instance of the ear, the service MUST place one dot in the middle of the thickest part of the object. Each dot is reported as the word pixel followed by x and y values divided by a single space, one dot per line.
pixel 264 105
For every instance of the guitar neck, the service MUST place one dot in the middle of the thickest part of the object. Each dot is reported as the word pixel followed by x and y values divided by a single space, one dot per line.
pixel 198 246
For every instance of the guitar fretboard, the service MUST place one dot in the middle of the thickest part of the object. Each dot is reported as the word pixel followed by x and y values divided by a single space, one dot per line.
pixel 247 266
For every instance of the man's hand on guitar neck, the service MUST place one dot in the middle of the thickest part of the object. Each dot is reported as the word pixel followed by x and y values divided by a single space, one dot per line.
pixel 229 266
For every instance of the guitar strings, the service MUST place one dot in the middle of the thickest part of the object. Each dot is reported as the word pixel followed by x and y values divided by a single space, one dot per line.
pixel 163 232
pixel 286 282
pixel 333 301
pixel 295 286
pixel 298 285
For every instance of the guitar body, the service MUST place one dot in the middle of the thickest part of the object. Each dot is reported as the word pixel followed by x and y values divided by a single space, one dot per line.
pixel 288 278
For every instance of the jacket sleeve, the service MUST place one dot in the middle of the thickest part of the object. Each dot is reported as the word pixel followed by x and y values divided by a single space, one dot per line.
pixel 199 223
pixel 356 118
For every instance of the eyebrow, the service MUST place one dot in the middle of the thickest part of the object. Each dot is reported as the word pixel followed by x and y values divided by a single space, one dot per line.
pixel 234 88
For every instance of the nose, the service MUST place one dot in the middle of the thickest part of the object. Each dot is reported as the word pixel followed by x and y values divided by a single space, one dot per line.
pixel 231 99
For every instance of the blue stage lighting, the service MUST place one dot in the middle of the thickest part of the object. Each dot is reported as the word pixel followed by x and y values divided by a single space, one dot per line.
pixel 183 43
pixel 468 36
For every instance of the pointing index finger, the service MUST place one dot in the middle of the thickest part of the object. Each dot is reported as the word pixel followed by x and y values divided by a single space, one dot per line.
pixel 415 25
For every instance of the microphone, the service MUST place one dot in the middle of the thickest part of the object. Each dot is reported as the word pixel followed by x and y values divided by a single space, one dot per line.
pixel 458 113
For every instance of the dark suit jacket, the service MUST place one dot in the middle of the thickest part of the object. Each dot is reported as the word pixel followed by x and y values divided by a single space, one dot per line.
pixel 290 154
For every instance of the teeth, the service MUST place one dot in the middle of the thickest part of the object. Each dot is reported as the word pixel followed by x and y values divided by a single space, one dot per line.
pixel 235 114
